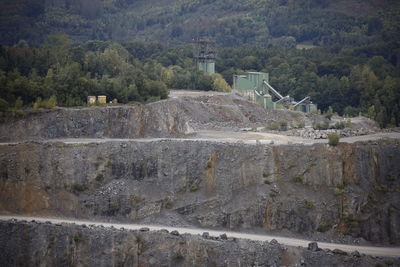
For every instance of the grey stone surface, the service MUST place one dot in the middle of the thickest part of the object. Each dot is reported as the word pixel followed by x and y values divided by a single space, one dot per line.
pixel 313 246
pixel 168 118
pixel 351 189
pixel 36 244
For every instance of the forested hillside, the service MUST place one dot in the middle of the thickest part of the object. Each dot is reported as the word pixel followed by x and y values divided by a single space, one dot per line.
pixel 230 22
pixel 344 54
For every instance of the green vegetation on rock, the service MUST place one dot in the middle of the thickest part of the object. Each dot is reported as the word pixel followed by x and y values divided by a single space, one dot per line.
pixel 333 139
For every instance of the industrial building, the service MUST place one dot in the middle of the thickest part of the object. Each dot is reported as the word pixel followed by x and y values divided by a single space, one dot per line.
pixel 256 88
pixel 205 55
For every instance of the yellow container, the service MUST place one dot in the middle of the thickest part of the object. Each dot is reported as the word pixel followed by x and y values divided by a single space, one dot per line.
pixel 102 99
pixel 91 100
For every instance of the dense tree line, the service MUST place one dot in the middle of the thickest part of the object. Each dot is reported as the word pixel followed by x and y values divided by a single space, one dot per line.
pixel 359 80
pixel 70 73
pixel 351 82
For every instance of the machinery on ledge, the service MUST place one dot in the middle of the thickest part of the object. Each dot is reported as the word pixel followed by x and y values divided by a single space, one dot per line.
pixel 255 86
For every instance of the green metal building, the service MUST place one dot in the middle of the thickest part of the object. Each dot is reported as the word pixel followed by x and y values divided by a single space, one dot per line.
pixel 251 86
pixel 206 65
pixel 205 55
pixel 256 88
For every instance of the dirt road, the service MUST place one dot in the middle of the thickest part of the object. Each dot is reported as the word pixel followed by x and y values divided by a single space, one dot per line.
pixel 377 251
pixel 228 137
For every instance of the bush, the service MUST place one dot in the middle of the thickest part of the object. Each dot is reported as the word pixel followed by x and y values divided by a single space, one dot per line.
pixel 209 165
pixel 47 103
pixel 333 139
pixel 300 125
pixel 298 179
pixel 3 105
pixel 342 124
pixel 194 188
pixel 168 203
pixel 273 192
pixel 277 126
pixel 308 203
pixel 339 191
pixel 78 188
pixel 99 177
pixel 283 125
pixel 321 126
pixel 272 126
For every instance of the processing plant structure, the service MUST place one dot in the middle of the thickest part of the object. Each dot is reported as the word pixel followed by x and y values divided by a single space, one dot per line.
pixel 255 87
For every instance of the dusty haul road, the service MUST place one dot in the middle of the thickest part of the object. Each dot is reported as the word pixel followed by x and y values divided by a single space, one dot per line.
pixel 223 137
pixel 376 251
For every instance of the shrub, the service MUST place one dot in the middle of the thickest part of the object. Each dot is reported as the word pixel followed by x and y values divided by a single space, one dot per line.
pixel 47 103
pixel 272 126
pixel 273 193
pixel 342 124
pixel 194 188
pixel 168 203
pixel 78 188
pixel 209 164
pixel 78 238
pixel 3 105
pixel 329 113
pixel 283 125
pixel 300 125
pixel 298 179
pixel 339 191
pixel 308 203
pixel 99 177
pixel 391 177
pixel 321 126
pixel 277 126
pixel 333 139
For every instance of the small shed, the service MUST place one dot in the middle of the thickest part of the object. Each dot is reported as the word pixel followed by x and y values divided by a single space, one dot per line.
pixel 102 99
pixel 91 100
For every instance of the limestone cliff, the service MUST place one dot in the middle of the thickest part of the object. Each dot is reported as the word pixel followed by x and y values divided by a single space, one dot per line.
pixel 350 189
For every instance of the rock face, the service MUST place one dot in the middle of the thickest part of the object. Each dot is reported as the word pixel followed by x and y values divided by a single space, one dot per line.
pixel 35 244
pixel 159 119
pixel 168 118
pixel 350 189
